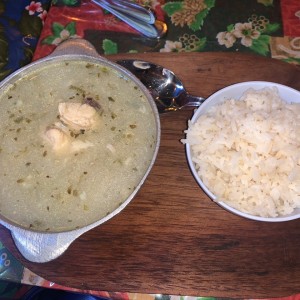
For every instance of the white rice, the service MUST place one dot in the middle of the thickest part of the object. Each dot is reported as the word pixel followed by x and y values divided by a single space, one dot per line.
pixel 247 152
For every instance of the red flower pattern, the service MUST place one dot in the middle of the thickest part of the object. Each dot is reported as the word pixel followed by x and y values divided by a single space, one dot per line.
pixel 291 21
pixel 43 16
pixel 34 7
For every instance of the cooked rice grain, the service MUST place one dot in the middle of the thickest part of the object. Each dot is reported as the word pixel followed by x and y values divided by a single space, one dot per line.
pixel 247 152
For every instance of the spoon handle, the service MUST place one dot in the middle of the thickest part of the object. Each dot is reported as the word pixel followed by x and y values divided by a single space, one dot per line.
pixel 132 9
pixel 149 30
pixel 193 101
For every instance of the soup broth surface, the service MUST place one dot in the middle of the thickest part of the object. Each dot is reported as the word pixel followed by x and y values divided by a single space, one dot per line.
pixel 96 170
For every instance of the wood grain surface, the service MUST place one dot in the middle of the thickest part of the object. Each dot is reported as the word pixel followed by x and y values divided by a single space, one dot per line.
pixel 172 239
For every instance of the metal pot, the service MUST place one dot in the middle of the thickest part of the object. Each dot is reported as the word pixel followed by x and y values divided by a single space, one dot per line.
pixel 38 246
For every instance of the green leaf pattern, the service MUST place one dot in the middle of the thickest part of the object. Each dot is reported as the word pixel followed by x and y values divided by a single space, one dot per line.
pixel 65 2
pixel 109 47
pixel 172 7
pixel 266 2
pixel 184 13
pixel 61 33
pixel 261 45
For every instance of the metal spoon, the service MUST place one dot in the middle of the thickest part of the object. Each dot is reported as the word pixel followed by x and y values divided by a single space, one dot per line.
pixel 165 87
pixel 156 30
pixel 132 9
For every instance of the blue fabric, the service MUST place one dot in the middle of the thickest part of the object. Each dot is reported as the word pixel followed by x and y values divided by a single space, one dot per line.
pixel 38 293
pixel 19 33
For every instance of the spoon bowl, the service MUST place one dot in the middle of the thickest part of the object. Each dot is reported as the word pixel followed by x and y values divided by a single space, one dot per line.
pixel 165 87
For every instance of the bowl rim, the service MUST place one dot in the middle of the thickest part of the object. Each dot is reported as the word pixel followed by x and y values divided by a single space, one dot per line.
pixel 120 71
pixel 202 109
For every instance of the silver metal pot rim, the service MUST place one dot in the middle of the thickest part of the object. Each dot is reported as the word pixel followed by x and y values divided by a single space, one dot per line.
pixel 38 246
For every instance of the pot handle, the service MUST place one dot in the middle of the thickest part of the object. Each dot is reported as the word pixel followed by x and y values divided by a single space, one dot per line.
pixel 76 46
pixel 41 248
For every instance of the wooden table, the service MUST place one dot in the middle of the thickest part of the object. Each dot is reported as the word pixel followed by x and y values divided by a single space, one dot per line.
pixel 172 239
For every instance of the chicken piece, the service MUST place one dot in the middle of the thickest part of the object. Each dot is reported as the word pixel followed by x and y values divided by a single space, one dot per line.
pixel 78 116
pixel 57 138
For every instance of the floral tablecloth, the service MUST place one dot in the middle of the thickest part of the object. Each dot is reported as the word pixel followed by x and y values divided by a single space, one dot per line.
pixel 265 27
pixel 30 30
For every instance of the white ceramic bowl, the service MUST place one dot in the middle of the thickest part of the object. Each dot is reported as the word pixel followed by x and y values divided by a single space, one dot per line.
pixel 235 91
